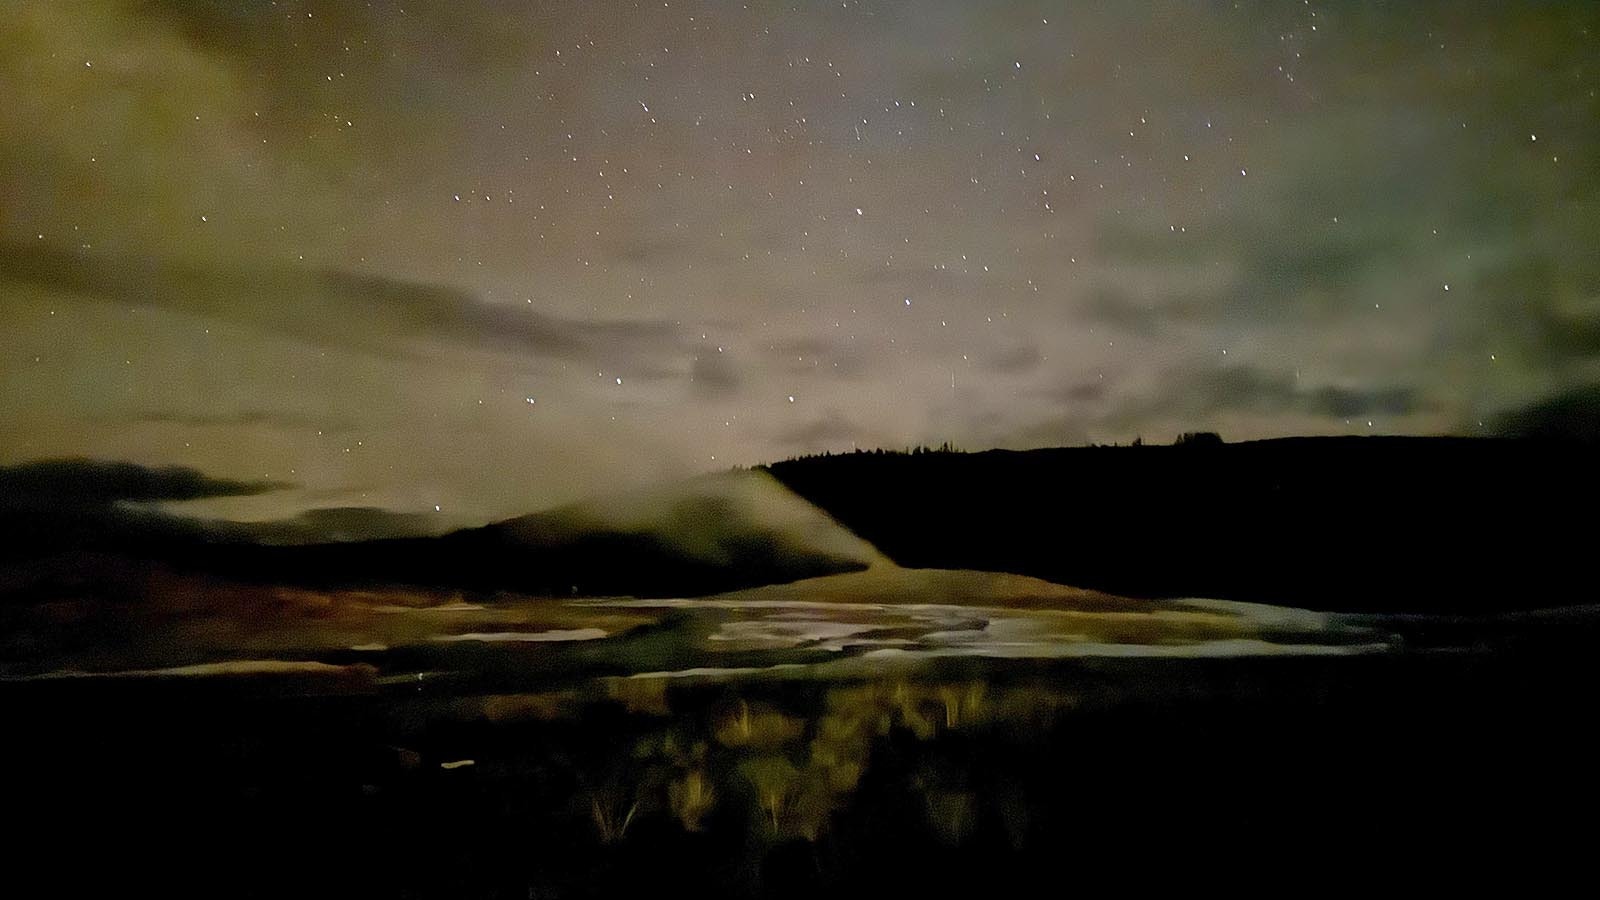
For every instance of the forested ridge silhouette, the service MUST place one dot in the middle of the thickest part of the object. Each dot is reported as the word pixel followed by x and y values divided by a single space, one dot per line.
pixel 1391 524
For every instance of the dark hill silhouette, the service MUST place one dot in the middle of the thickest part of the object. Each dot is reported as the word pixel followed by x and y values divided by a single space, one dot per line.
pixel 1356 524
pixel 716 533
pixel 490 559
pixel 697 544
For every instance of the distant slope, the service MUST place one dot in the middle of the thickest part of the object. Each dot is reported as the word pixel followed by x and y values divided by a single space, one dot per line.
pixel 1359 524
pixel 890 585
pixel 702 536
pixel 717 533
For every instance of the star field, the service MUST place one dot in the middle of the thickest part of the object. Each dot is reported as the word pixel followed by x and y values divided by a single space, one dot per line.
pixel 473 258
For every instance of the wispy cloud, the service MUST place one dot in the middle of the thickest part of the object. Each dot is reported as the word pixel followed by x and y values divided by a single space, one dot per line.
pixel 357 311
pixel 87 484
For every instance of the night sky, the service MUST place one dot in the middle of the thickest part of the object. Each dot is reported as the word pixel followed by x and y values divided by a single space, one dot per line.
pixel 491 256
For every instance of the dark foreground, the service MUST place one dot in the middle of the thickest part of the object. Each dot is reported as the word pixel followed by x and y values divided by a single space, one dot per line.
pixel 958 778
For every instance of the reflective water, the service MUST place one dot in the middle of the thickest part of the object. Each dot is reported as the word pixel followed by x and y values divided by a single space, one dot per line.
pixel 926 732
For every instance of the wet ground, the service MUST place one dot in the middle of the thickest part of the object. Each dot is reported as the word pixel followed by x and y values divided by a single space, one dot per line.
pixel 929 733
pixel 860 623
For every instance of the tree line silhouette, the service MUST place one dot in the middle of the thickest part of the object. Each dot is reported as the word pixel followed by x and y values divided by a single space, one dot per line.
pixel 1359 523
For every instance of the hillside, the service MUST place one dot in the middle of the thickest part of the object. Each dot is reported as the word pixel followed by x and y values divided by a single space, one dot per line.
pixel 1448 525
pixel 715 533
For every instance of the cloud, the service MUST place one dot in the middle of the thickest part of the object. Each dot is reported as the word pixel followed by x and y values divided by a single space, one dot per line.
pixel 714 375
pixel 1348 403
pixel 830 432
pixel 825 354
pixel 1238 270
pixel 365 312
pixel 1053 432
pixel 1572 333
pixel 1551 305
pixel 61 484
pixel 242 418
pixel 54 498
pixel 1075 394
pixel 1150 312
pixel 1017 359
pixel 1381 216
pixel 1192 397
pixel 1252 389
pixel 641 248
pixel 1573 415
pixel 461 37
pixel 436 310
pixel 919 280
